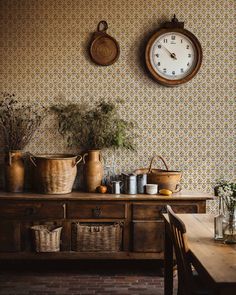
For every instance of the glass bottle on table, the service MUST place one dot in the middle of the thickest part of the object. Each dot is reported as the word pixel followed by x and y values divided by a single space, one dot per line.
pixel 219 223
pixel 229 227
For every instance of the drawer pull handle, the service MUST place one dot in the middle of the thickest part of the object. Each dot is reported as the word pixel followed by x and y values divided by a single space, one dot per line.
pixel 97 212
pixel 64 210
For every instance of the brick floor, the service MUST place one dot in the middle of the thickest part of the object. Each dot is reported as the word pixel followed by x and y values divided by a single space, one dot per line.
pixel 87 279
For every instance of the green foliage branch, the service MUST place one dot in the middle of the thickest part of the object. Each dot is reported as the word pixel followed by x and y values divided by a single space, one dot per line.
pixel 96 128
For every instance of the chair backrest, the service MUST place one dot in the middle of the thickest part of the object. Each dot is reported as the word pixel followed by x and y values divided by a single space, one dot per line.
pixel 179 239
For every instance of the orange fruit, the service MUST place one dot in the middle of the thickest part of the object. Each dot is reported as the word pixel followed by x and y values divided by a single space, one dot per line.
pixel 102 189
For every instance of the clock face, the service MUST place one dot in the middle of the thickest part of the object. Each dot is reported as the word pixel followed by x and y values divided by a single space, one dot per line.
pixel 173 56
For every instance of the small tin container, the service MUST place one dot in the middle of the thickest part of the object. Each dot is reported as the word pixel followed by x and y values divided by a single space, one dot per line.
pixel 116 186
pixel 151 189
pixel 141 182
pixel 131 184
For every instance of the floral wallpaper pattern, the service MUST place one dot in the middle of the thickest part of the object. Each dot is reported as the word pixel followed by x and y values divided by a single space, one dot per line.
pixel 44 58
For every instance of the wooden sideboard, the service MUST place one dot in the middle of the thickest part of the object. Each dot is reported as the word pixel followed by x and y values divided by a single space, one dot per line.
pixel 141 216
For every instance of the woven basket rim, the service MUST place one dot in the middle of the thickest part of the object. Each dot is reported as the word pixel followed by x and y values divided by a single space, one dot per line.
pixel 156 171
pixel 55 156
pixel 97 223
pixel 104 237
pixel 46 228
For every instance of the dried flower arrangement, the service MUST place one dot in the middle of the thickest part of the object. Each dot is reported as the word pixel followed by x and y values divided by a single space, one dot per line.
pixel 227 191
pixel 18 123
pixel 96 128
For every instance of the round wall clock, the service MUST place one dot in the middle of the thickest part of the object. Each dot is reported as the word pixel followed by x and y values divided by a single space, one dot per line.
pixel 173 54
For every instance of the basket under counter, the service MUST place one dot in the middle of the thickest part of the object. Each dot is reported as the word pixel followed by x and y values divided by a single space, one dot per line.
pixel 97 236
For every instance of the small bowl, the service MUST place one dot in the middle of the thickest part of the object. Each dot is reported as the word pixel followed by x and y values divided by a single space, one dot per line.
pixel 151 188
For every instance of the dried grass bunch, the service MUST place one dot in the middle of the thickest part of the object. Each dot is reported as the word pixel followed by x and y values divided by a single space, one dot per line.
pixel 18 123
pixel 96 128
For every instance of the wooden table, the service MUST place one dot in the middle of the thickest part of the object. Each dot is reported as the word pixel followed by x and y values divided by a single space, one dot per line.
pixel 213 260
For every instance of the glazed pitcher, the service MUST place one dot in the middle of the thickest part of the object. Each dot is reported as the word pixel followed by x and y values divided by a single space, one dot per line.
pixel 93 170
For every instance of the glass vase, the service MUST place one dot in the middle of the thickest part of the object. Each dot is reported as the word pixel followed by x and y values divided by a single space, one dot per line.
pixel 219 222
pixel 229 231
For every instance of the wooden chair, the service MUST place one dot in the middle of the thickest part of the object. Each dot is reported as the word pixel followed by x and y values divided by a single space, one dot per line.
pixel 188 281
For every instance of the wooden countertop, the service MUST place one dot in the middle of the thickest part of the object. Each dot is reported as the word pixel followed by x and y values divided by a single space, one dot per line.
pixel 75 195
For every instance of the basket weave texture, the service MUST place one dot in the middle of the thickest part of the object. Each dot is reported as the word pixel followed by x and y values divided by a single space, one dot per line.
pixel 54 174
pixel 165 179
pixel 46 238
pixel 96 237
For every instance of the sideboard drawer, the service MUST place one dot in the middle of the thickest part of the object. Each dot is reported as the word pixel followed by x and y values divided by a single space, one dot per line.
pixel 31 210
pixel 191 208
pixel 147 212
pixel 95 210
pixel 154 212
pixel 148 236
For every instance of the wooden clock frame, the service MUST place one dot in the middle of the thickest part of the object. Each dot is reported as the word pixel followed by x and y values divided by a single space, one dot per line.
pixel 169 27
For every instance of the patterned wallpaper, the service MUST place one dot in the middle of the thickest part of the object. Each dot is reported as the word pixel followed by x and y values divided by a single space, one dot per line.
pixel 44 57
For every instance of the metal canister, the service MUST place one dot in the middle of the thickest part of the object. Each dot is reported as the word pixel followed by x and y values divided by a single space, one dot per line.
pixel 131 184
pixel 116 186
pixel 141 182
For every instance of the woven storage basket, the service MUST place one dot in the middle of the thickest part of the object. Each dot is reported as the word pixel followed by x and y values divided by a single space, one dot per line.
pixel 166 179
pixel 96 237
pixel 55 174
pixel 46 238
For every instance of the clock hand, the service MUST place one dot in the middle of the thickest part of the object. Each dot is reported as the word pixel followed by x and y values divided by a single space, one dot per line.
pixel 172 55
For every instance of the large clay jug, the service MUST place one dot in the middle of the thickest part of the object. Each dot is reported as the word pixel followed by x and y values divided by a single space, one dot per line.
pixel 14 171
pixel 93 170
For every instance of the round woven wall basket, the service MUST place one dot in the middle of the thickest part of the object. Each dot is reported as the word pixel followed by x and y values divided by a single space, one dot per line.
pixel 54 174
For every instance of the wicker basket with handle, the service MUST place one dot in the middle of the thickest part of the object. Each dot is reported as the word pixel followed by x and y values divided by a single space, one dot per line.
pixel 96 237
pixel 46 238
pixel 166 179
pixel 54 173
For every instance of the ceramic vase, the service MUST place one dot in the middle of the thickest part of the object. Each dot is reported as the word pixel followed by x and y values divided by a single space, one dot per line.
pixel 93 170
pixel 14 171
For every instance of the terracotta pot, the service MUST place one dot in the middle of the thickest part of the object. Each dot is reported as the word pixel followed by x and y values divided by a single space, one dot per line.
pixel 93 170
pixel 14 171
